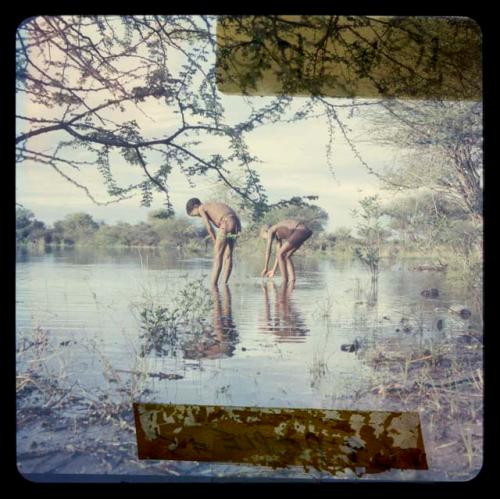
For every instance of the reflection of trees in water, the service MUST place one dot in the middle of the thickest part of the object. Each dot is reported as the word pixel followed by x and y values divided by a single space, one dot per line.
pixel 372 295
pixel 286 322
pixel 365 306
pixel 167 332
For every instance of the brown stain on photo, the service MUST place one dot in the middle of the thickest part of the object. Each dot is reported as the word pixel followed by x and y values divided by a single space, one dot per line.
pixel 350 56
pixel 326 440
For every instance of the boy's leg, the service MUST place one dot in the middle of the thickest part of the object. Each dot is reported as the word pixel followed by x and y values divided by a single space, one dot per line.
pixel 220 246
pixel 282 262
pixel 228 259
pixel 294 243
pixel 289 265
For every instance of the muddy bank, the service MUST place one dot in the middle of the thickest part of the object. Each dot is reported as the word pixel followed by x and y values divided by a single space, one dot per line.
pixel 443 381
pixel 61 431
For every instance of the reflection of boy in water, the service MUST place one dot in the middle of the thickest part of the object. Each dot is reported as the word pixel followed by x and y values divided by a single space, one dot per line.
pixel 287 321
pixel 222 344
pixel 224 326
pixel 228 223
pixel 289 235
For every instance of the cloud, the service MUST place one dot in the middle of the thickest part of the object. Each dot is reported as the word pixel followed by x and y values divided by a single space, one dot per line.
pixel 293 159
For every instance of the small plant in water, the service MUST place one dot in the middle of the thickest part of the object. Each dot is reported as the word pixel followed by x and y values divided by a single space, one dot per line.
pixel 371 235
pixel 318 369
pixel 369 257
pixel 160 325
pixel 168 329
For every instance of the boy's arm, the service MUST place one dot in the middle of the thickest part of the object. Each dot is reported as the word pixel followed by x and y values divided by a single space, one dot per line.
pixel 275 266
pixel 270 238
pixel 205 218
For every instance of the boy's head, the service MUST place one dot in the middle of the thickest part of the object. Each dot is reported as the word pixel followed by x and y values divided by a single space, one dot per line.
pixel 192 207
pixel 264 231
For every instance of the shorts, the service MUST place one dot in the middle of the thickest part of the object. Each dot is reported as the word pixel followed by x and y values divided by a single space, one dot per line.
pixel 229 228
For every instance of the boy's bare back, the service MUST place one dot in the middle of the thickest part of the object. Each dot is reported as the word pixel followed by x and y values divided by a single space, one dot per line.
pixel 216 211
pixel 285 228
pixel 289 224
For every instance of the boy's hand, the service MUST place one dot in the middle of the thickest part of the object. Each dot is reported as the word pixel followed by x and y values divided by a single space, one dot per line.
pixel 270 274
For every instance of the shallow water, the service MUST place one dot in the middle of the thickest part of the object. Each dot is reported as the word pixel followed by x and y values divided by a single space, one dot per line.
pixel 274 346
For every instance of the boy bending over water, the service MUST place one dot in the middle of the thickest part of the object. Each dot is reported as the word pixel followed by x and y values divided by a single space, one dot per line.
pixel 223 217
pixel 289 235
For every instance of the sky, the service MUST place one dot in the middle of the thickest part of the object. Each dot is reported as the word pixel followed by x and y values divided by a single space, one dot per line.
pixel 293 163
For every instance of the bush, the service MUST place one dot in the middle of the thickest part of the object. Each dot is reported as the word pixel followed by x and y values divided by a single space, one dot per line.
pixel 29 229
pixel 168 329
pixel 76 228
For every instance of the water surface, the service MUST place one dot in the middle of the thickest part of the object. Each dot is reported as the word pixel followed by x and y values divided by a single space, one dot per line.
pixel 266 344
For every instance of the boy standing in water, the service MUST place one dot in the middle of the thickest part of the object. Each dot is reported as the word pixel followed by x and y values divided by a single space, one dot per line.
pixel 290 235
pixel 228 223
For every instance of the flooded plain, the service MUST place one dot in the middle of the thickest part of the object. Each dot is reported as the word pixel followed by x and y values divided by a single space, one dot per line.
pixel 99 329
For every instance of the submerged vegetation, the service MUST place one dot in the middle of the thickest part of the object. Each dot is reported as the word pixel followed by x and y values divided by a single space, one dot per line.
pixel 47 386
pixel 179 326
pixel 371 236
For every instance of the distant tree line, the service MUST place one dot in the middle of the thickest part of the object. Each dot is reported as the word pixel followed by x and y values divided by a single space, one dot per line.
pixel 160 230
pixel 81 229
pixel 425 223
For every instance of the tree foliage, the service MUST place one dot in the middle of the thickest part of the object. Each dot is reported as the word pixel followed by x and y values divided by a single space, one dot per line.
pixel 443 144
pixel 177 231
pixel 351 56
pixel 371 233
pixel 28 228
pixel 82 77
pixel 76 227
pixel 423 77
pixel 139 93
pixel 426 221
